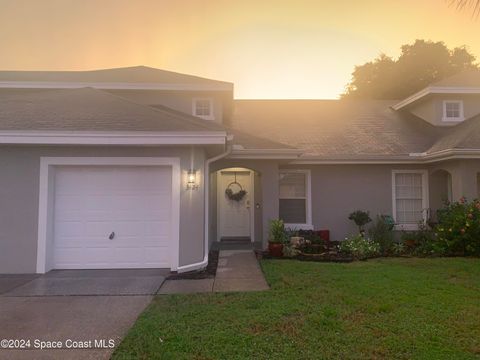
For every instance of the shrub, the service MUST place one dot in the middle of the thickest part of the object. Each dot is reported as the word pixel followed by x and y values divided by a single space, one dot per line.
pixel 422 242
pixel 381 233
pixel 398 248
pixel 458 228
pixel 278 233
pixel 359 247
pixel 360 218
pixel 311 235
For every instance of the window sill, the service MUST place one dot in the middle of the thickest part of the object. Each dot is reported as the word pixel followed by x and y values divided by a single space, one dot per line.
pixel 406 227
pixel 205 117
pixel 299 226
pixel 453 120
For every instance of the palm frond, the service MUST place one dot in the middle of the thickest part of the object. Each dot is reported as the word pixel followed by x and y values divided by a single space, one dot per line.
pixel 467 4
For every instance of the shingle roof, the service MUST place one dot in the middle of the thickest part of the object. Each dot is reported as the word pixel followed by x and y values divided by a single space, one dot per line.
pixel 470 78
pixel 335 128
pixel 134 74
pixel 88 109
pixel 243 139
pixel 462 136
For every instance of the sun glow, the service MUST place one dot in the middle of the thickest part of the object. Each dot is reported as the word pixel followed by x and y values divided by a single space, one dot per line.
pixel 269 49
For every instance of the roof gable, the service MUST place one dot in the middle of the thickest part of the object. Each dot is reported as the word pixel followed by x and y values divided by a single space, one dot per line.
pixel 128 77
pixel 466 82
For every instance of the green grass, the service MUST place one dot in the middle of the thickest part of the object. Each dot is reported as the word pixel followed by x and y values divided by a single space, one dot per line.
pixel 385 308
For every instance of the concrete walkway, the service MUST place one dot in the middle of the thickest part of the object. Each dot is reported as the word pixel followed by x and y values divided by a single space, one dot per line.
pixel 238 270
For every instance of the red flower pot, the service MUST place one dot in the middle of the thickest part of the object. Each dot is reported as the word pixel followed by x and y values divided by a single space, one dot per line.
pixel 275 249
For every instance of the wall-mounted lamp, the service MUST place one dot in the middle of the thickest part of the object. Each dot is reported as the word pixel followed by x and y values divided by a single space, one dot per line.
pixel 192 179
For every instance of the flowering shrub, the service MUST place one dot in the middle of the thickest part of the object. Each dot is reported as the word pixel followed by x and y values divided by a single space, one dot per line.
pixel 359 247
pixel 458 229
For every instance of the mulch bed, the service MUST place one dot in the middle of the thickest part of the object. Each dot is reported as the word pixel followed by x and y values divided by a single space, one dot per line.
pixel 324 257
pixel 209 272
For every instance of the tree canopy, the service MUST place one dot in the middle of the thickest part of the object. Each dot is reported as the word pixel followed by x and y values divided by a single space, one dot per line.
pixel 418 65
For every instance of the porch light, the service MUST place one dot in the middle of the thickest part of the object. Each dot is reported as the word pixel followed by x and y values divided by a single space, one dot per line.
pixel 192 180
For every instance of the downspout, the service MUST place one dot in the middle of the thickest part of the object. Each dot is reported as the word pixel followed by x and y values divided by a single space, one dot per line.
pixel 206 193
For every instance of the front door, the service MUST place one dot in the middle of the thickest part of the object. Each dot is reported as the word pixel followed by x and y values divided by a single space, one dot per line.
pixel 234 211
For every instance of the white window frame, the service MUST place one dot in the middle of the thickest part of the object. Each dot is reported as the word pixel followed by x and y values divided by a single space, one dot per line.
pixel 425 196
pixel 451 119
pixel 308 197
pixel 194 108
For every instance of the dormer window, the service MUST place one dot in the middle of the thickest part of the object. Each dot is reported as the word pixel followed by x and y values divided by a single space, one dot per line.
pixel 453 110
pixel 203 108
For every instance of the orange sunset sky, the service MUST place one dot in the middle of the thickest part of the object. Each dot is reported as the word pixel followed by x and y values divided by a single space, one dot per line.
pixel 269 49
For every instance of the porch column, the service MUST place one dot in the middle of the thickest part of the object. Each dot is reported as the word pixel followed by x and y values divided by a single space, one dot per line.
pixel 269 181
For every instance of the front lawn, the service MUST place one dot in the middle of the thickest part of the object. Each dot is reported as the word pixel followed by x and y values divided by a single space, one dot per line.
pixel 385 308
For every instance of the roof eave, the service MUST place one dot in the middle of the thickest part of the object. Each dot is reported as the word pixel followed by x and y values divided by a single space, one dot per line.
pixel 281 154
pixel 112 138
pixel 413 158
pixel 435 90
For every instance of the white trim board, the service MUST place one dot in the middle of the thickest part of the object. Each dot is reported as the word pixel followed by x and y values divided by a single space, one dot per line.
pixel 46 188
pixel 435 90
pixel 112 138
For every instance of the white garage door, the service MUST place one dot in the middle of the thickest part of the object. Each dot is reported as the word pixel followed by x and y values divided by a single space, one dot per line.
pixel 112 217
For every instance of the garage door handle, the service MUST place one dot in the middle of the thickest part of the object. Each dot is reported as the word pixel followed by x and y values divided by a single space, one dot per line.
pixel 112 235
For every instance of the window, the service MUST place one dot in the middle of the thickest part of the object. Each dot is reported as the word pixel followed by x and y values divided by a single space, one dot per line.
pixel 410 195
pixel 294 191
pixel 203 108
pixel 453 110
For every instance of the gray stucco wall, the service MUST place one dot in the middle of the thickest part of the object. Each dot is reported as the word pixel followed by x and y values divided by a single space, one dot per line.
pixel 431 109
pixel 19 192
pixel 338 190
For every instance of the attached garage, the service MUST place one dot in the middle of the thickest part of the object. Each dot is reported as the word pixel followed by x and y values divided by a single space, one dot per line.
pixel 107 213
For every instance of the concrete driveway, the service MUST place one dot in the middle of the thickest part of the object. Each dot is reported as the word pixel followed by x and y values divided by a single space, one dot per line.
pixel 85 313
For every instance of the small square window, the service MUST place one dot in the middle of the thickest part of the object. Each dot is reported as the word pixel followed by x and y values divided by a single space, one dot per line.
pixel 452 111
pixel 203 108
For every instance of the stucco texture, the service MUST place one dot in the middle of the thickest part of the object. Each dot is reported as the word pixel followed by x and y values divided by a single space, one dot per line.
pixel 19 191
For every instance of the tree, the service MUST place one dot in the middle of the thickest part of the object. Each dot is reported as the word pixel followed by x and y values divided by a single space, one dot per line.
pixel 418 65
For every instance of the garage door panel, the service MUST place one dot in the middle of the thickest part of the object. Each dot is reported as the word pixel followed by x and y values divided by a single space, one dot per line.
pixel 133 202
pixel 158 255
pixel 98 229
pixel 129 228
pixel 157 228
pixel 69 229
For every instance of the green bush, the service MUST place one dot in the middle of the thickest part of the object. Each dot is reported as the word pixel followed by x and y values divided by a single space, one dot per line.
pixel 422 242
pixel 278 233
pixel 381 233
pixel 458 228
pixel 359 247
pixel 360 218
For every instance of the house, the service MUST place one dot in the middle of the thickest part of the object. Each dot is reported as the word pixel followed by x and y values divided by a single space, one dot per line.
pixel 129 167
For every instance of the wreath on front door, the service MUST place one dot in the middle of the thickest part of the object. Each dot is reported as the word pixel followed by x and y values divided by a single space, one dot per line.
pixel 235 195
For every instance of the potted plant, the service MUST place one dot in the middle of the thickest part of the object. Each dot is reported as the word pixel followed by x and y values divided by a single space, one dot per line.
pixel 360 218
pixel 277 237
